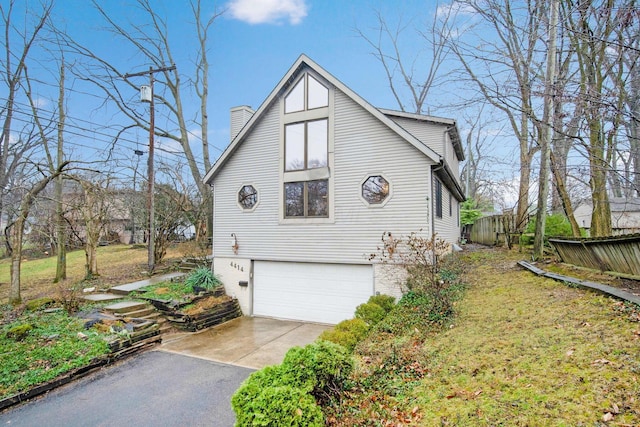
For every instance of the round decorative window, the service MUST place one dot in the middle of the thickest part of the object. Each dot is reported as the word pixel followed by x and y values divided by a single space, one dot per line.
pixel 375 189
pixel 247 197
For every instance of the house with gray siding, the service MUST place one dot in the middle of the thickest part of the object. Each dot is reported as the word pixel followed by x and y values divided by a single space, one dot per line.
pixel 308 185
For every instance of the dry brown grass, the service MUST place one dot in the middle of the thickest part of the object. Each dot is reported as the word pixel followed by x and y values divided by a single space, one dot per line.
pixel 117 264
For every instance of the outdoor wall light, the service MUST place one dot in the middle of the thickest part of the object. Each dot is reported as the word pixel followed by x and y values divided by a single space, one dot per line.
pixel 234 243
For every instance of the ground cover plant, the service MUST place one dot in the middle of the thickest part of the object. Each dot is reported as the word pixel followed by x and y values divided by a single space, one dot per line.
pixel 198 281
pixel 36 347
pixel 521 350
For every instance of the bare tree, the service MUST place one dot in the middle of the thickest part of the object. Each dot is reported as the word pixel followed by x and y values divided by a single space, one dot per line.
pixel 504 66
pixel 151 41
pixel 18 232
pixel 15 145
pixel 408 75
pixel 592 28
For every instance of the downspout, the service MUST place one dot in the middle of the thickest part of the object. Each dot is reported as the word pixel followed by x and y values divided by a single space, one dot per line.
pixel 213 220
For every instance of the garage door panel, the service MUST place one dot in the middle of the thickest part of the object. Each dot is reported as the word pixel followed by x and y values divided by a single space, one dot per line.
pixel 326 293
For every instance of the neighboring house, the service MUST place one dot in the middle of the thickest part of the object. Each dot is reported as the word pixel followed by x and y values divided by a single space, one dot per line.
pixel 625 215
pixel 309 184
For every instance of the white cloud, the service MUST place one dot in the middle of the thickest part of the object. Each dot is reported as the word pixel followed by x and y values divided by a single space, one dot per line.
pixel 268 11
pixel 454 8
pixel 169 145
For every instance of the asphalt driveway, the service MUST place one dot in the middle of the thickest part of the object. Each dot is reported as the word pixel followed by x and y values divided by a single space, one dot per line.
pixel 186 381
pixel 152 389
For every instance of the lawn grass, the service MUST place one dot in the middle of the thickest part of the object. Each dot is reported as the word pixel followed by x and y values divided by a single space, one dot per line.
pixel 526 350
pixel 521 350
pixel 117 264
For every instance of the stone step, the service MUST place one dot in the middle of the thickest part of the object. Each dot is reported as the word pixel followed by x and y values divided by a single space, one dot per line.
pixel 101 297
pixel 125 307
pixel 142 313
pixel 130 287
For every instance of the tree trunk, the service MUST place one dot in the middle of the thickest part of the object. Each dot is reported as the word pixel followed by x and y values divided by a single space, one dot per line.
pixel 18 233
pixel 601 215
pixel 565 199
pixel 61 240
pixel 16 259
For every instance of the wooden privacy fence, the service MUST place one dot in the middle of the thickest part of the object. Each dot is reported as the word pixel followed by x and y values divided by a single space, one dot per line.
pixel 618 254
pixel 492 230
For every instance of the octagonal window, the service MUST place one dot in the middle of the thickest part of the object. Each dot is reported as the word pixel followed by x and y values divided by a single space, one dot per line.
pixel 375 189
pixel 247 197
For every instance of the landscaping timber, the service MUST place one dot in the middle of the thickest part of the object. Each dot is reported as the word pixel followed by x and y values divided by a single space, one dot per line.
pixel 599 287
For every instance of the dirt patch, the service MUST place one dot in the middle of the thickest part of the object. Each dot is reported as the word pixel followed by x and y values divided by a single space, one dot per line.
pixel 205 304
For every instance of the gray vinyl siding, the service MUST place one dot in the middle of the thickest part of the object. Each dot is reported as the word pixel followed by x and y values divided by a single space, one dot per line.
pixel 450 157
pixel 363 146
pixel 435 136
pixel 447 227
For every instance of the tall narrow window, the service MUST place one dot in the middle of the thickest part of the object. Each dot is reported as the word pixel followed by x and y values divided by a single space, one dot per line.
pixel 438 191
pixel 306 150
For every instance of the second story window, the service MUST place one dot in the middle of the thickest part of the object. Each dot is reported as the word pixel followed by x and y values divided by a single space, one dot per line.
pixel 306 145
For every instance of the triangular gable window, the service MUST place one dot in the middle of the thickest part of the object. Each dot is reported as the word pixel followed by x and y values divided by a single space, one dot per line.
pixel 294 101
pixel 316 96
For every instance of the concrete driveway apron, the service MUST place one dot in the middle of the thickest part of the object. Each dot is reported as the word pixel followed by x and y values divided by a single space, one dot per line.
pixel 250 342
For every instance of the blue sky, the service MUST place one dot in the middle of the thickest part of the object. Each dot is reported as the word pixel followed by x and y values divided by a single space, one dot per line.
pixel 254 43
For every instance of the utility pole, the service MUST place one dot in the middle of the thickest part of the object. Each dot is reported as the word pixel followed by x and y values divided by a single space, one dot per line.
pixel 148 97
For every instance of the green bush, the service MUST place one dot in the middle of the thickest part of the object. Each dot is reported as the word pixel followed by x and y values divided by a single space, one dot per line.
pixel 370 312
pixel 554 225
pixel 203 278
pixel 283 395
pixel 387 302
pixel 250 389
pixel 281 406
pixel 322 366
pixel 347 333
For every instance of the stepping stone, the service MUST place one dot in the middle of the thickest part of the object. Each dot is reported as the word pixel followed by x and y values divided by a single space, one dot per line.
pixel 130 287
pixel 101 297
pixel 125 307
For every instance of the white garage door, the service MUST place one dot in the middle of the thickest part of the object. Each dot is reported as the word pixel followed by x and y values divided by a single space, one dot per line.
pixel 324 293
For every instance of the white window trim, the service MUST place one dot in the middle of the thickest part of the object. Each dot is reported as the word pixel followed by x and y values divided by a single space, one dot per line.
pixel 243 209
pixel 375 205
pixel 315 174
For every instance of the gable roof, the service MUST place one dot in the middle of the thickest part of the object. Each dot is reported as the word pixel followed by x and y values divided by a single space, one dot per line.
pixel 452 130
pixel 617 204
pixel 303 62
